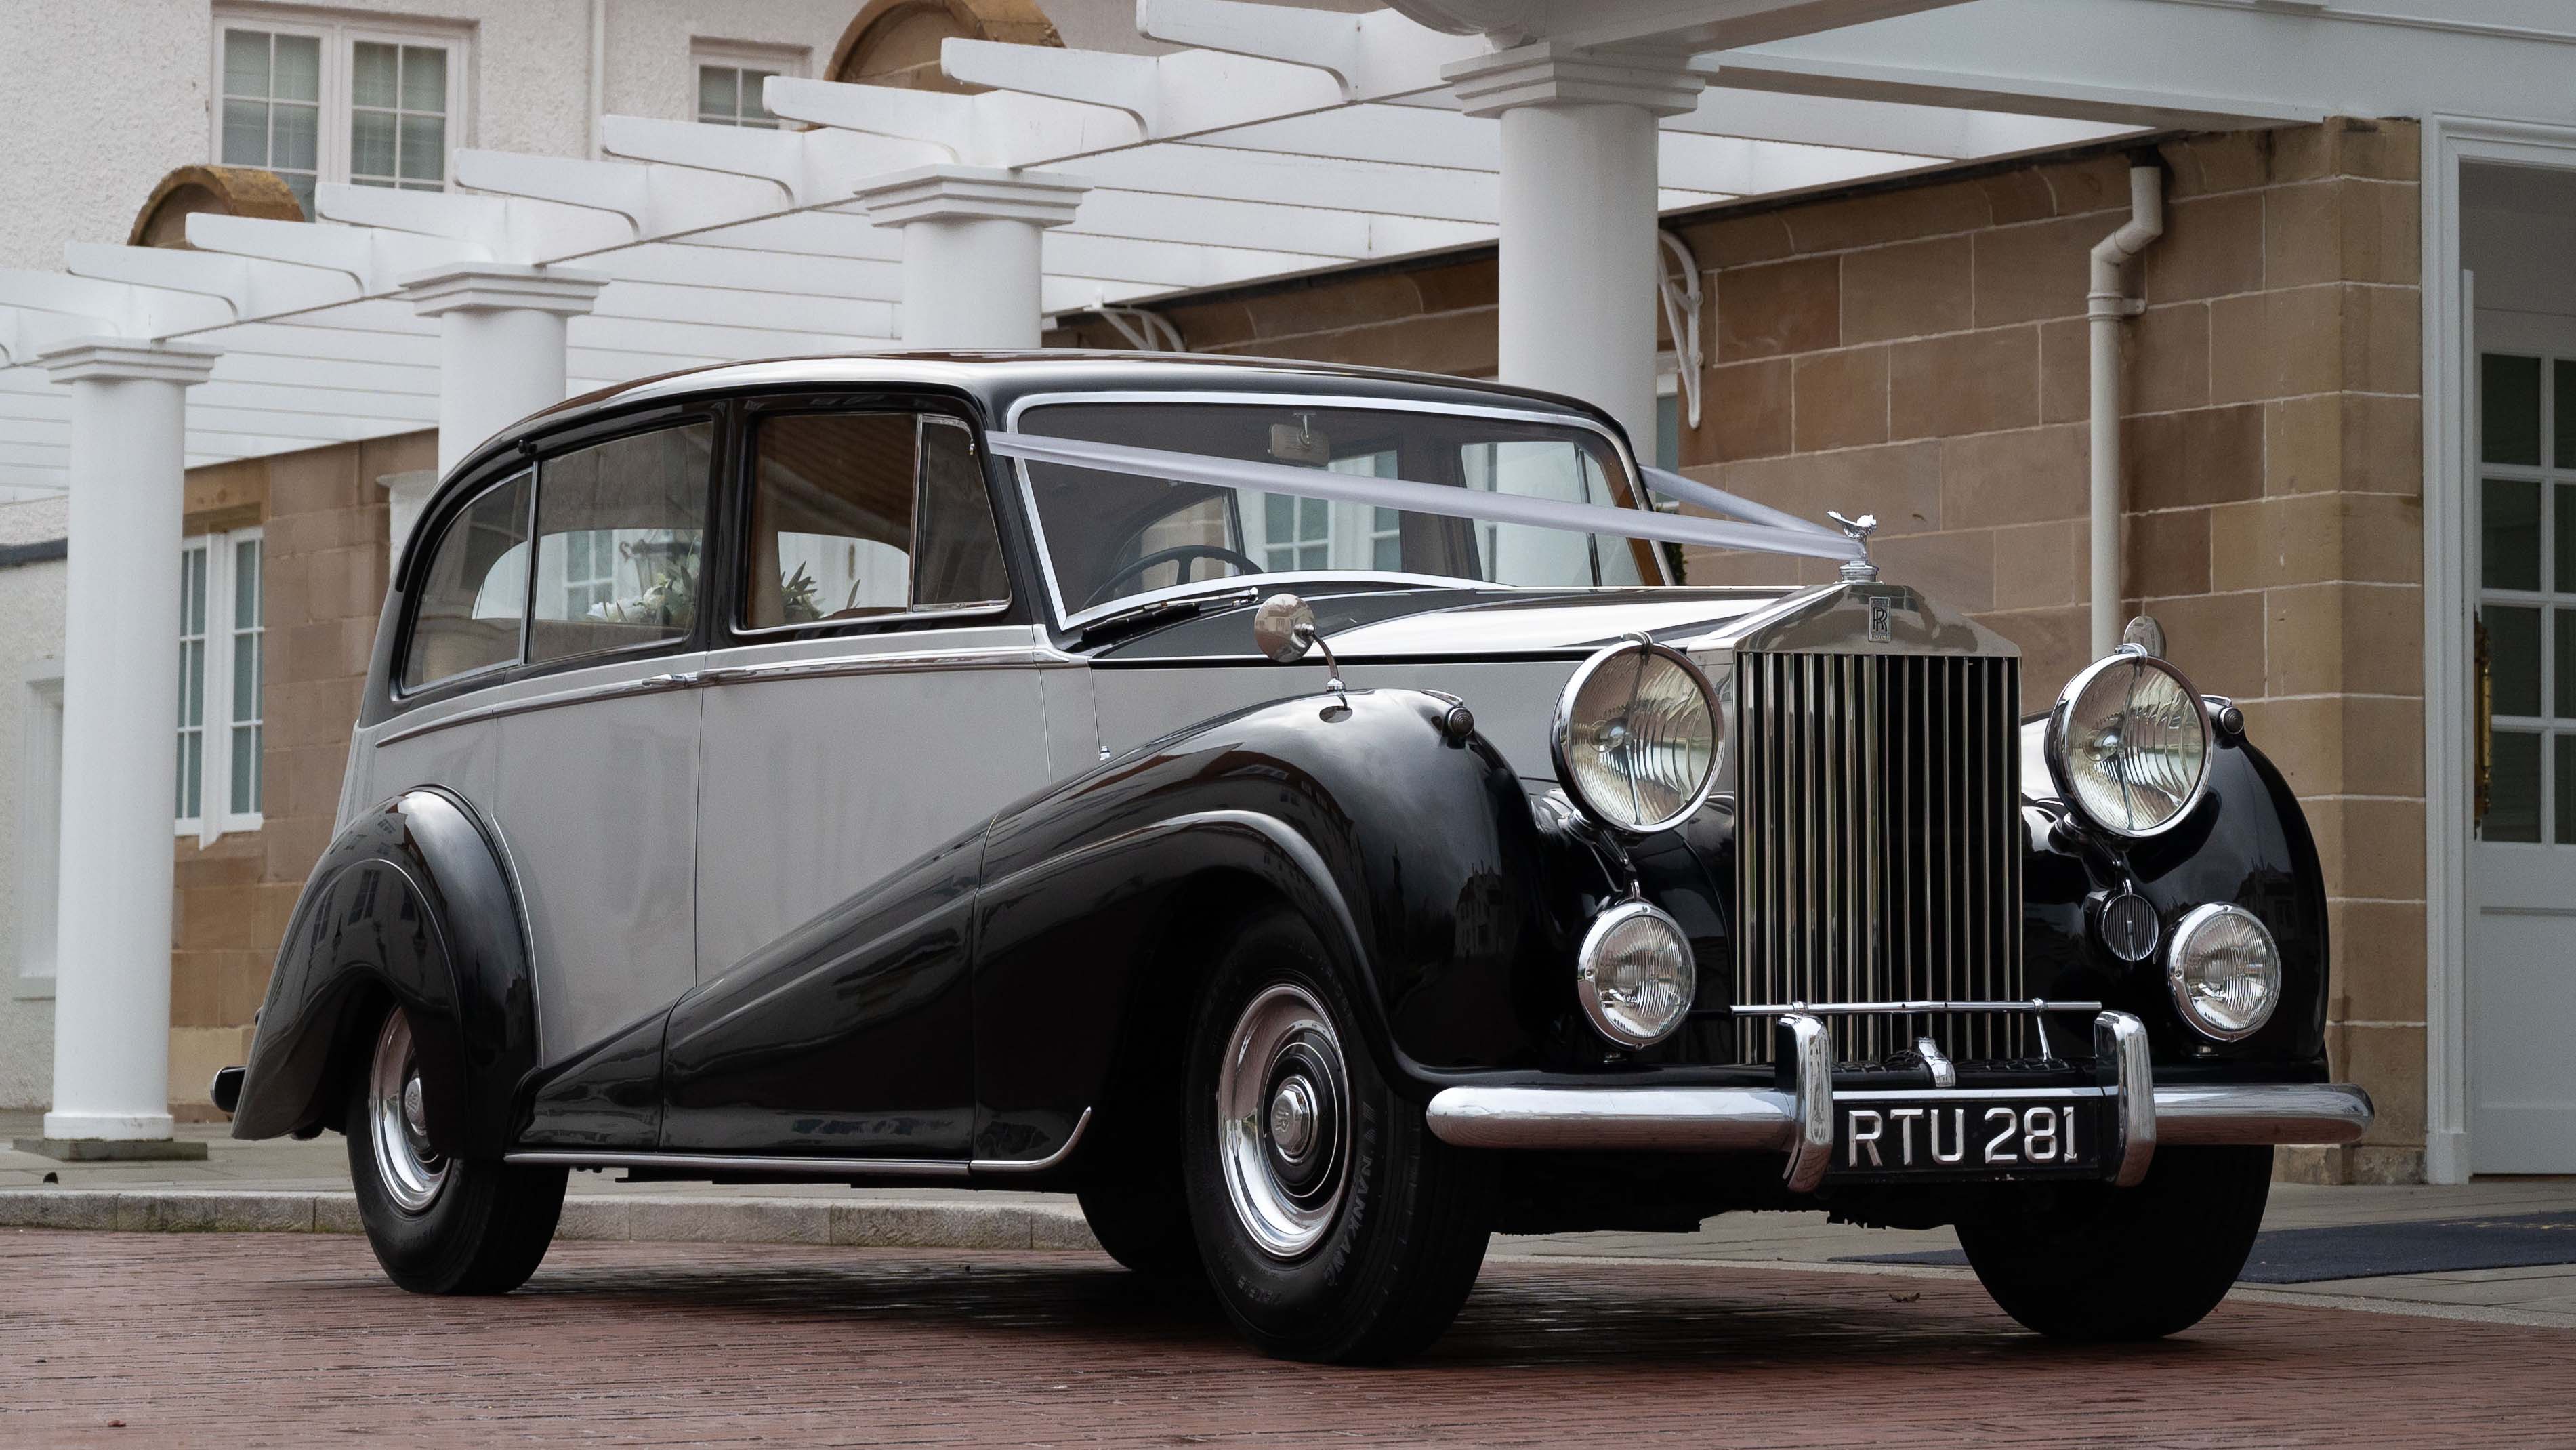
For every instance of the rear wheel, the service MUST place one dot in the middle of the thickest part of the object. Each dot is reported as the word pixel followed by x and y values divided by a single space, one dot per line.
pixel 439 1225
pixel 1333 1225
pixel 2098 1264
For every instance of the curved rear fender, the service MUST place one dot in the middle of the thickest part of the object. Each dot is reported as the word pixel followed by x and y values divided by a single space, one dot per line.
pixel 1412 853
pixel 411 905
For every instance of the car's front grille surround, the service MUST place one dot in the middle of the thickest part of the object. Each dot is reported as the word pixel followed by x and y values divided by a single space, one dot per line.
pixel 1879 845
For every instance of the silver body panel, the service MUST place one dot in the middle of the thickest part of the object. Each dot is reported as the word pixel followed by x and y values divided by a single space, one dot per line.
pixel 827 764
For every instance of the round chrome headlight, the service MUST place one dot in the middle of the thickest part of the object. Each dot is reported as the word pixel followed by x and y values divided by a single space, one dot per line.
pixel 2128 744
pixel 2224 970
pixel 1637 736
pixel 1634 974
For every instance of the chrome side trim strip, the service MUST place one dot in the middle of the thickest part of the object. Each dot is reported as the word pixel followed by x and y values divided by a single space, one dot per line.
pixel 2256 1114
pixel 1063 1151
pixel 1682 1119
pixel 1019 657
pixel 2121 1040
pixel 1811 1048
pixel 649 685
pixel 749 1164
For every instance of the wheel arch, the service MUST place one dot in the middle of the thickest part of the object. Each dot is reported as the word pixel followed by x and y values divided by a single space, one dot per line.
pixel 412 906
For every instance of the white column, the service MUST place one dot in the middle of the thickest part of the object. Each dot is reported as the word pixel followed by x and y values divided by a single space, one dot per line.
pixel 1578 216
pixel 971 239
pixel 501 345
pixel 120 772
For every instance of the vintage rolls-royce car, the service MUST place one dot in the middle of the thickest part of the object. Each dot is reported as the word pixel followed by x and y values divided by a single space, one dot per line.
pixel 1304 813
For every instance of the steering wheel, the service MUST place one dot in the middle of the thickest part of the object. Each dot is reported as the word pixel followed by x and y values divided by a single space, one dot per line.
pixel 1177 553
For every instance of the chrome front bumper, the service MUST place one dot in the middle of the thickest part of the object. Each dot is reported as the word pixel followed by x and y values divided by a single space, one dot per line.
pixel 1800 1122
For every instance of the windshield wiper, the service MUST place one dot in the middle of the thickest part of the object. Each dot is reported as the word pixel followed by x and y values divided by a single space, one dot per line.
pixel 1161 611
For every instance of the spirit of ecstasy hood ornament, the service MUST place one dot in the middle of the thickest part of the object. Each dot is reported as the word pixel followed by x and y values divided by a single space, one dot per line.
pixel 1860 570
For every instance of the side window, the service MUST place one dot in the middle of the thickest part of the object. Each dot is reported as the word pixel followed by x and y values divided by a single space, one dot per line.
pixel 961 550
pixel 860 514
pixel 475 590
pixel 620 527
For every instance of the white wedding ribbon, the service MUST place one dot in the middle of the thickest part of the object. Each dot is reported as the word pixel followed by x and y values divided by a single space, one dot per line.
pixel 1775 533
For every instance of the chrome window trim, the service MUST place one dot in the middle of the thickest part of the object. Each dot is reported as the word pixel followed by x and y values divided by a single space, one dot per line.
pixel 1066 619
pixel 913 609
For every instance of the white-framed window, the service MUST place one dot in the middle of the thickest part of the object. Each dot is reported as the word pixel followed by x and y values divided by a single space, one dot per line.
pixel 1668 414
pixel 729 81
pixel 1310 533
pixel 319 100
pixel 40 823
pixel 222 632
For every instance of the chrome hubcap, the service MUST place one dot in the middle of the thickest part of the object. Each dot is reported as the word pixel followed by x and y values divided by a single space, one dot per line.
pixel 1283 1115
pixel 409 1171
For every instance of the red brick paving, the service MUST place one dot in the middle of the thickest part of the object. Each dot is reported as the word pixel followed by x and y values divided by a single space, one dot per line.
pixel 257 1340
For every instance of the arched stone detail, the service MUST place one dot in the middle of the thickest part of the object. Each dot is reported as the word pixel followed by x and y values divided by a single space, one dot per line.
pixel 222 190
pixel 896 42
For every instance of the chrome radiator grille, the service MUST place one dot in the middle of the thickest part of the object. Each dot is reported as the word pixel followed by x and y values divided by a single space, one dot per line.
pixel 1878 845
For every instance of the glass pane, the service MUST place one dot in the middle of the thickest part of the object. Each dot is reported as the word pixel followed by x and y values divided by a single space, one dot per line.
pixel 1668 431
pixel 245 782
pixel 2562 641
pixel 245 63
pixel 301 183
pixel 474 590
pixel 245 133
pixel 642 503
pixel 192 683
pixel 2509 397
pixel 2509 534
pixel 374 70
pixel 424 79
pixel 960 550
pixel 246 610
pixel 2513 789
pixel 831 518
pixel 753 112
pixel 299 68
pixel 294 137
pixel 2563 786
pixel 192 773
pixel 2513 649
pixel 424 148
pixel 2562 414
pixel 371 143
pixel 719 91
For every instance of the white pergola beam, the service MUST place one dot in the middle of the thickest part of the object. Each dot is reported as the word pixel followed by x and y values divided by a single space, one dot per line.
pixel 373 258
pixel 1373 55
pixel 995 128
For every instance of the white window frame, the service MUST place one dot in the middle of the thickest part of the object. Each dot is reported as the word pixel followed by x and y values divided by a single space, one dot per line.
pixel 339 39
pixel 215 774
pixel 40 824
pixel 785 60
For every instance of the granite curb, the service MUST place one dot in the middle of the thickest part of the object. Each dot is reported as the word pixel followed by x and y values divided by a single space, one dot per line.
pixel 640 1218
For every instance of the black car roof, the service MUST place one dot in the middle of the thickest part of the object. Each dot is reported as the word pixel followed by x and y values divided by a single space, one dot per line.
pixel 998 379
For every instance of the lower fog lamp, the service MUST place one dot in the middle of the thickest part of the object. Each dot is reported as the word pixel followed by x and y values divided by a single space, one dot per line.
pixel 2224 970
pixel 1634 975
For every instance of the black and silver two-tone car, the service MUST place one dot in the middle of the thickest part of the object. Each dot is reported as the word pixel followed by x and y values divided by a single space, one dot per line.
pixel 1301 811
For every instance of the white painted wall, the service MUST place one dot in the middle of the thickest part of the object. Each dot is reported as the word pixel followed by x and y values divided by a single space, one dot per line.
pixel 31 629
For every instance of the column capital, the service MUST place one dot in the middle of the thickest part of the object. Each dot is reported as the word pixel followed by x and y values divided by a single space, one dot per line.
pixel 120 360
pixel 1544 73
pixel 499 286
pixel 972 193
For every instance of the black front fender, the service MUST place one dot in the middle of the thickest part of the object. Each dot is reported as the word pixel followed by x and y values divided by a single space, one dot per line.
pixel 1409 847
pixel 411 905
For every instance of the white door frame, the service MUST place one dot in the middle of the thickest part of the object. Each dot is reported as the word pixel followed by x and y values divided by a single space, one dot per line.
pixel 2449 142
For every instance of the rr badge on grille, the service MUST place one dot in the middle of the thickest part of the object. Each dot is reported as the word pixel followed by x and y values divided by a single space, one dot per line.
pixel 1881 625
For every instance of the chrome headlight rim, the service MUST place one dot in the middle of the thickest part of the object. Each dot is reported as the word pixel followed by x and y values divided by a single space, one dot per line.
pixel 2061 716
pixel 2177 952
pixel 1587 988
pixel 1560 729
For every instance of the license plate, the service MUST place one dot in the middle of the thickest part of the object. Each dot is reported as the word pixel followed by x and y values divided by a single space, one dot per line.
pixel 1938 1135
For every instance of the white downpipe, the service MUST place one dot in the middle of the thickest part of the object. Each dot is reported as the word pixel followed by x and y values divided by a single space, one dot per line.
pixel 2105 306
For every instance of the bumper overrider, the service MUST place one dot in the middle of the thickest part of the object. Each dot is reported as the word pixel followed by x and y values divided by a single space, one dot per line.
pixel 1801 1120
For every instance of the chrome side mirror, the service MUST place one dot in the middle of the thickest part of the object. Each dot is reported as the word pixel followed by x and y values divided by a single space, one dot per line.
pixel 1284 629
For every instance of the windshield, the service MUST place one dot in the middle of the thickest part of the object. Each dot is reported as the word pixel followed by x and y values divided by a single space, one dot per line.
pixel 1112 537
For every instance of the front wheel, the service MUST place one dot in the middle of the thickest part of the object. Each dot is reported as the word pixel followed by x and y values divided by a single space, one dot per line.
pixel 439 1225
pixel 2095 1264
pixel 1333 1225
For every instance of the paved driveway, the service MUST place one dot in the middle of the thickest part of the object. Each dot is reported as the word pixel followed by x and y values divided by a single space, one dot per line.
pixel 244 1339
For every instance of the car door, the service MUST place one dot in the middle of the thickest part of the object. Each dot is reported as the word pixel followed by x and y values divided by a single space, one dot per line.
pixel 876 698
pixel 598 741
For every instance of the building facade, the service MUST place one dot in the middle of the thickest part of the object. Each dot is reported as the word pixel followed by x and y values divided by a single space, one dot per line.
pixel 2343 467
